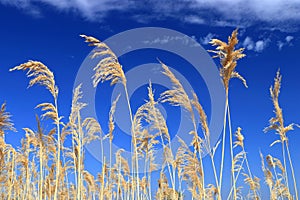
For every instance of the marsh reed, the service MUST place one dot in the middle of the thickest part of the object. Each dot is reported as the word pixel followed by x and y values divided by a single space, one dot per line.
pixel 44 167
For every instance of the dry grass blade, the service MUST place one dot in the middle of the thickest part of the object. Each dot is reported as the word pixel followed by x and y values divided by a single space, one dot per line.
pixel 40 74
pixel 190 170
pixel 50 111
pixel 203 117
pixel 238 161
pixel 268 174
pixel 93 127
pixel 155 116
pixel 89 178
pixel 109 67
pixel 76 105
pixel 148 113
pixel 122 162
pixel 5 121
pixel 252 182
pixel 111 123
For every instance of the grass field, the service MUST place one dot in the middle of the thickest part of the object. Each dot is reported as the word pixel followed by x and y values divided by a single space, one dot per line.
pixel 44 167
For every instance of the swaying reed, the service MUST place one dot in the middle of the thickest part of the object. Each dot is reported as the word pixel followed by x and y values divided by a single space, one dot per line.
pixel 277 124
pixel 47 167
pixel 109 69
pixel 228 56
pixel 178 97
pixel 5 121
pixel 41 75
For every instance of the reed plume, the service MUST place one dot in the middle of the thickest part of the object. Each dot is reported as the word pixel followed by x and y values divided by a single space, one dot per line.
pixel 109 69
pixel 40 74
pixel 5 121
pixel 178 97
pixel 277 124
pixel 228 55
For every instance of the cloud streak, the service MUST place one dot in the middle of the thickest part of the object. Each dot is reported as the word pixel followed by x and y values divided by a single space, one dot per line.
pixel 276 14
pixel 205 40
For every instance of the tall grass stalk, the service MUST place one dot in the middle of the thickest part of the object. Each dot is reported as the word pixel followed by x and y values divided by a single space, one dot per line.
pixel 228 58
pixel 277 124
pixel 109 69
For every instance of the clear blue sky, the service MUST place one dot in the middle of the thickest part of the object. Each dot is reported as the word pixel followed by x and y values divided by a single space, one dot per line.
pixel 49 31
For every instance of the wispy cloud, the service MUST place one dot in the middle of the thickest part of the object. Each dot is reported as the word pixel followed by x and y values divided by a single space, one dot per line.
pixel 257 46
pixel 274 14
pixel 194 19
pixel 248 43
pixel 205 40
pixel 260 45
pixel 289 38
pixel 90 9
pixel 287 42
pixel 184 40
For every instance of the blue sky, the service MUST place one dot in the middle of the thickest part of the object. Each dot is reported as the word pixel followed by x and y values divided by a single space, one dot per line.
pixel 48 30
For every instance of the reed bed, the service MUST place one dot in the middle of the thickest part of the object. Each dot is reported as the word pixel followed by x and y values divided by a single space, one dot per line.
pixel 44 167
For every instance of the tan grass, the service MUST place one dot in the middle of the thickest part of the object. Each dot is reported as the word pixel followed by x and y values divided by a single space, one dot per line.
pixel 41 168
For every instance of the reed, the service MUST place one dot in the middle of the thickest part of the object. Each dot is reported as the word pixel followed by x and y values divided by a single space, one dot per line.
pixel 46 166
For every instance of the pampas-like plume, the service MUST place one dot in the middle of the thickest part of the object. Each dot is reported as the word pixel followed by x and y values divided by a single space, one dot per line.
pixel 253 183
pixel 109 67
pixel 111 123
pixel 277 123
pixel 206 132
pixel 40 74
pixel 177 95
pixel 5 121
pixel 228 56
pixel 239 138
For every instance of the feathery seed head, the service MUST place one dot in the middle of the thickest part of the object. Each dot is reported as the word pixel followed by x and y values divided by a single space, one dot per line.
pixel 108 68
pixel 228 56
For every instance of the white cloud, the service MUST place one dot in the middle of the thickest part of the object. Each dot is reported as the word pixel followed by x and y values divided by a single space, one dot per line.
pixel 194 19
pixel 287 42
pixel 257 46
pixel 205 40
pixel 184 40
pixel 280 45
pixel 289 38
pixel 248 43
pixel 260 45
pixel 90 9
pixel 274 14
